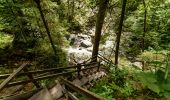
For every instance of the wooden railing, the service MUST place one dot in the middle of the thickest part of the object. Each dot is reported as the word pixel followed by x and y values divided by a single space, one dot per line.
pixel 54 72
pixel 60 71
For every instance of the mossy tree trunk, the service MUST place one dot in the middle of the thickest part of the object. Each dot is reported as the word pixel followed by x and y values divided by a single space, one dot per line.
pixel 46 25
pixel 120 31
pixel 144 32
pixel 99 24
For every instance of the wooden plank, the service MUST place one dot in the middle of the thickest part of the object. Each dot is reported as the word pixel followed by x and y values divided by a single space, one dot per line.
pixel 4 83
pixel 57 91
pixel 44 94
pixel 23 96
pixel 72 96
pixel 77 82
pixel 88 94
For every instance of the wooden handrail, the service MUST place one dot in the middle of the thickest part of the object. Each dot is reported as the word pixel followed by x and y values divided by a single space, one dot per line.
pixel 4 83
pixel 101 56
pixel 88 94
pixel 46 70
pixel 45 77
pixel 105 59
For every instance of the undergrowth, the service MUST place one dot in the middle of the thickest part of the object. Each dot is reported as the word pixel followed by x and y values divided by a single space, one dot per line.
pixel 124 84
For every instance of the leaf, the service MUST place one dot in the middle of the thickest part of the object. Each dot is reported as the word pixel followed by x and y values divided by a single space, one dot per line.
pixel 167 95
pixel 147 78
pixel 160 76
pixel 154 87
pixel 165 86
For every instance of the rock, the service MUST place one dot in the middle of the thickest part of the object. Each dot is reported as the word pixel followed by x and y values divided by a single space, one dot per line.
pixel 79 54
pixel 85 37
pixel 86 43
pixel 107 47
pixel 137 64
pixel 90 49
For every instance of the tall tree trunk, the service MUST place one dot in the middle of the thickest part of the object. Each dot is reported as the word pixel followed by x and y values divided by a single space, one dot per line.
pixel 144 32
pixel 99 24
pixel 46 25
pixel 120 31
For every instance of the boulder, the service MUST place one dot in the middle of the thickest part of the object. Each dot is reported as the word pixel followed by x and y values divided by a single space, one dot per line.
pixel 86 43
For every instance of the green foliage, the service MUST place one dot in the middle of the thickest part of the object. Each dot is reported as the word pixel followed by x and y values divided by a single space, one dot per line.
pixel 155 82
pixel 115 85
pixel 158 81
pixel 22 20
pixel 157 25
pixel 5 40
pixel 156 59
pixel 49 60
pixel 103 89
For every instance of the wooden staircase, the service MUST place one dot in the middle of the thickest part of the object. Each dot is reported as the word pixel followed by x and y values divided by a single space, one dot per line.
pixel 63 89
pixel 60 91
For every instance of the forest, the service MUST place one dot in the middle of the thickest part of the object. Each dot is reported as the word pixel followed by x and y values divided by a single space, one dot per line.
pixel 133 35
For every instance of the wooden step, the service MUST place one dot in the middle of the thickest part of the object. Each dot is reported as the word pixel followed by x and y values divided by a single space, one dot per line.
pixel 57 91
pixel 44 94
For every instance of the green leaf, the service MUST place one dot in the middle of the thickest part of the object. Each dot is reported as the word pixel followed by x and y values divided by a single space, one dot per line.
pixel 165 86
pixel 167 95
pixel 154 88
pixel 160 76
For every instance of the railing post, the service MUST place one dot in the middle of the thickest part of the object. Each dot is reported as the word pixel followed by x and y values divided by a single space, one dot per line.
pixel 78 70
pixel 32 78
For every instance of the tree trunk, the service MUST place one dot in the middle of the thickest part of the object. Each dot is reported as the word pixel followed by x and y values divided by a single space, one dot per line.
pixel 144 27
pixel 144 32
pixel 46 25
pixel 120 31
pixel 99 25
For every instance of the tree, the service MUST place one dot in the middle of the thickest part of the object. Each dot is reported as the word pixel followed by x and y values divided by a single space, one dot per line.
pixel 46 25
pixel 144 30
pixel 120 31
pixel 99 24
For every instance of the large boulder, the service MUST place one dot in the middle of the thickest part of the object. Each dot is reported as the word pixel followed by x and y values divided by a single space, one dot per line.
pixel 86 43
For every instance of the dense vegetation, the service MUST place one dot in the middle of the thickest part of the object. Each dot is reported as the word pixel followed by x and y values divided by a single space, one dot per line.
pixel 39 31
